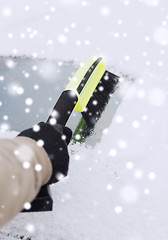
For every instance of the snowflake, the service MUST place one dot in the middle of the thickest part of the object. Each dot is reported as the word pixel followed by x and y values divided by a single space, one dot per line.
pixel 34 67
pixel 105 131
pixel 27 110
pixel 120 22
pixel 77 136
pixel 138 174
pixel 147 63
pixel 164 23
pixel 52 121
pixel 30 228
pixel 146 191
pixel 24 153
pixel 118 209
pixel 127 58
pixel 119 119
pixel 95 102
pixel 26 8
pixel 73 25
pixel 78 43
pixel 62 38
pixel 152 176
pixel 129 165
pixel 84 3
pixel 101 88
pixel 22 35
pixel 141 93
pixel 160 64
pixel 5 117
pixel 144 117
pixel 7 12
pixel 87 42
pixel 147 39
pixel 10 63
pixel 28 29
pixel 38 167
pixel 105 11
pixel 122 144
pixel 20 90
pixel 77 157
pixel 63 137
pixel 10 35
pixel 125 35
pixel 47 17
pixel 52 9
pixel 36 87
pixel 40 143
pixel 27 205
pixel 66 30
pixel 36 128
pixel 116 35
pixel 29 101
pixel 26 165
pixel 109 187
pixel 50 42
pixel 161 35
pixel 59 176
pixel 1 78
pixel 151 3
pixel 129 194
pixel 4 127
pixel 135 124
pixel 113 152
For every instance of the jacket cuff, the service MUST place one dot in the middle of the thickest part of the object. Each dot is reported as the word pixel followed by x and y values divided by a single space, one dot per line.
pixel 41 161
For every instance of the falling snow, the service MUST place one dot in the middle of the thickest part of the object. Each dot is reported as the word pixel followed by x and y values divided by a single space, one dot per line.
pixel 38 167
pixel 10 63
pixel 161 35
pixel 29 101
pixel 116 187
pixel 40 143
pixel 7 12
pixel 105 11
pixel 27 206
pixel 118 209
pixel 151 3
pixel 36 128
pixel 129 194
pixel 24 154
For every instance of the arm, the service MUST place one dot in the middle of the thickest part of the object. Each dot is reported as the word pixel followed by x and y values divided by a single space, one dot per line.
pixel 25 166
pixel 20 182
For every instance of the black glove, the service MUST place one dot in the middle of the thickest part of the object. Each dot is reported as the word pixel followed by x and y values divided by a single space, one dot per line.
pixel 55 138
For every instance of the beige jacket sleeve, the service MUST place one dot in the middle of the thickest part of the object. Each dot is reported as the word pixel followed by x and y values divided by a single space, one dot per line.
pixel 24 168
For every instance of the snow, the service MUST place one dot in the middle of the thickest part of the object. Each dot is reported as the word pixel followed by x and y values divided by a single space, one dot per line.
pixel 8 134
pixel 116 187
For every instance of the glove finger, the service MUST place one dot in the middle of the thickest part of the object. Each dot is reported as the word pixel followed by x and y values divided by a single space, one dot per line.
pixel 65 131
pixel 68 133
pixel 58 127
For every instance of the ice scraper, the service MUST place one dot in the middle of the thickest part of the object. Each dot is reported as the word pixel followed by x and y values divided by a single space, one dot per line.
pixel 87 92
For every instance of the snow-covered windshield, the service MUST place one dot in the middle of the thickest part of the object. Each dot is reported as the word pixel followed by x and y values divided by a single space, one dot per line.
pixel 29 89
pixel 116 188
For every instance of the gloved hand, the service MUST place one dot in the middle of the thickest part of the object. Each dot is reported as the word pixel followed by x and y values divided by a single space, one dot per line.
pixel 55 138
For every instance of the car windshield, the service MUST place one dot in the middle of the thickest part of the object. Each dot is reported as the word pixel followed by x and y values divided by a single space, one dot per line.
pixel 29 88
